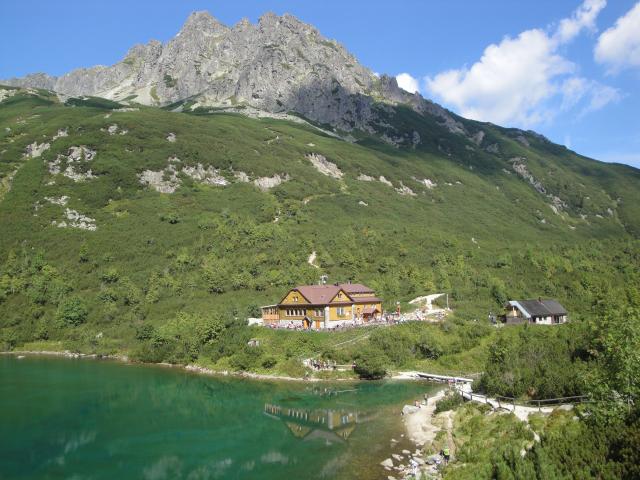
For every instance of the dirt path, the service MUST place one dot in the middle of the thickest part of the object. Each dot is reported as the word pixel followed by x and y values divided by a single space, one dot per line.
pixel 520 411
pixel 312 259
pixel 419 423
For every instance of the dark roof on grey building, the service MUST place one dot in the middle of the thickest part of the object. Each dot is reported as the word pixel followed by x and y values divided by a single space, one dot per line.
pixel 543 308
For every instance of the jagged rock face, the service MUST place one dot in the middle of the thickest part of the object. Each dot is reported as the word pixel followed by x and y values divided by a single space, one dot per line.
pixel 278 65
pixel 34 80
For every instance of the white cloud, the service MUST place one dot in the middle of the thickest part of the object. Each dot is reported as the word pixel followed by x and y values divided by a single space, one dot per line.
pixel 600 96
pixel 619 46
pixel 524 80
pixel 594 95
pixel 508 83
pixel 573 91
pixel 584 17
pixel 408 83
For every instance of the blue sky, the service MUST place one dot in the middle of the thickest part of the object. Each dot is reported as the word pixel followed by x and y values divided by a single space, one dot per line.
pixel 569 69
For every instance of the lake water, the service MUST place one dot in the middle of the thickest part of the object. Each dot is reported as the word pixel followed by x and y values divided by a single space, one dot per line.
pixel 86 419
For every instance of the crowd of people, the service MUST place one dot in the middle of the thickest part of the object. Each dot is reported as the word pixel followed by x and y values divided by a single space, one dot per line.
pixel 318 365
pixel 390 319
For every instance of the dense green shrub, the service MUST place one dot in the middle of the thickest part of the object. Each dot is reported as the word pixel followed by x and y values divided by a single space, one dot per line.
pixel 449 402
pixel 293 368
pixel 145 332
pixel 254 311
pixel 300 346
pixel 533 361
pixel 428 348
pixel 398 348
pixel 83 253
pixel 269 362
pixel 152 352
pixel 72 311
pixel 246 359
pixel 502 447
pixel 8 340
pixel 370 364
pixel 110 275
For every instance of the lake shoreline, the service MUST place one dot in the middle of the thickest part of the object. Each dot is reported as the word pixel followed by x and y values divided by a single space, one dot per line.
pixel 191 368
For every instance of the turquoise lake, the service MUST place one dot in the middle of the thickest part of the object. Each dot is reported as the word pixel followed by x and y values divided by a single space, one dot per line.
pixel 91 419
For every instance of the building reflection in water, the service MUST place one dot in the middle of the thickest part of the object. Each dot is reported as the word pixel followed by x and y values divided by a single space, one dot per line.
pixel 325 424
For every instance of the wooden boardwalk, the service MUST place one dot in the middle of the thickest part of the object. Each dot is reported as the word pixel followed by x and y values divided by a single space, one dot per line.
pixel 521 409
pixel 443 378
pixel 435 377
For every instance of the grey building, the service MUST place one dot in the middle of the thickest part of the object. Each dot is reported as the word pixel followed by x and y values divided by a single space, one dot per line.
pixel 540 312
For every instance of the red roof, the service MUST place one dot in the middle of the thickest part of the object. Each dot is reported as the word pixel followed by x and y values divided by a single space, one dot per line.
pixel 355 288
pixel 370 310
pixel 318 294
pixel 367 300
pixel 323 294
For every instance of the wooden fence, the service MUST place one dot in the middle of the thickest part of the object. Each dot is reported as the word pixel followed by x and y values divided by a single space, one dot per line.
pixel 510 402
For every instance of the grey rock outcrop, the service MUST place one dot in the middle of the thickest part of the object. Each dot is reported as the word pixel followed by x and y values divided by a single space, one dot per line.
pixel 267 183
pixel 278 65
pixel 324 166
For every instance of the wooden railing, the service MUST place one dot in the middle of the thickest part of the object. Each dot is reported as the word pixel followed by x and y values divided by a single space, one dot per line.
pixel 511 402
pixel 454 378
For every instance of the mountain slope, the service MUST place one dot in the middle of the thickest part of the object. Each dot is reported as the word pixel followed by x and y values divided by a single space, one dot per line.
pixel 282 67
pixel 141 213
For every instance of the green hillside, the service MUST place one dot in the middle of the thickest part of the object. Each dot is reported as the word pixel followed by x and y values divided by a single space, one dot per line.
pixel 482 233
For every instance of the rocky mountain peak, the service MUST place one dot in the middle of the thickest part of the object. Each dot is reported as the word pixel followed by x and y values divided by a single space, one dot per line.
pixel 272 21
pixel 142 50
pixel 243 24
pixel 202 21
pixel 33 80
pixel 279 65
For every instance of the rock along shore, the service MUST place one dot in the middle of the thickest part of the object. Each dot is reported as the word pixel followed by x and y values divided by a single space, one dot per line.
pixel 421 431
pixel 189 368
